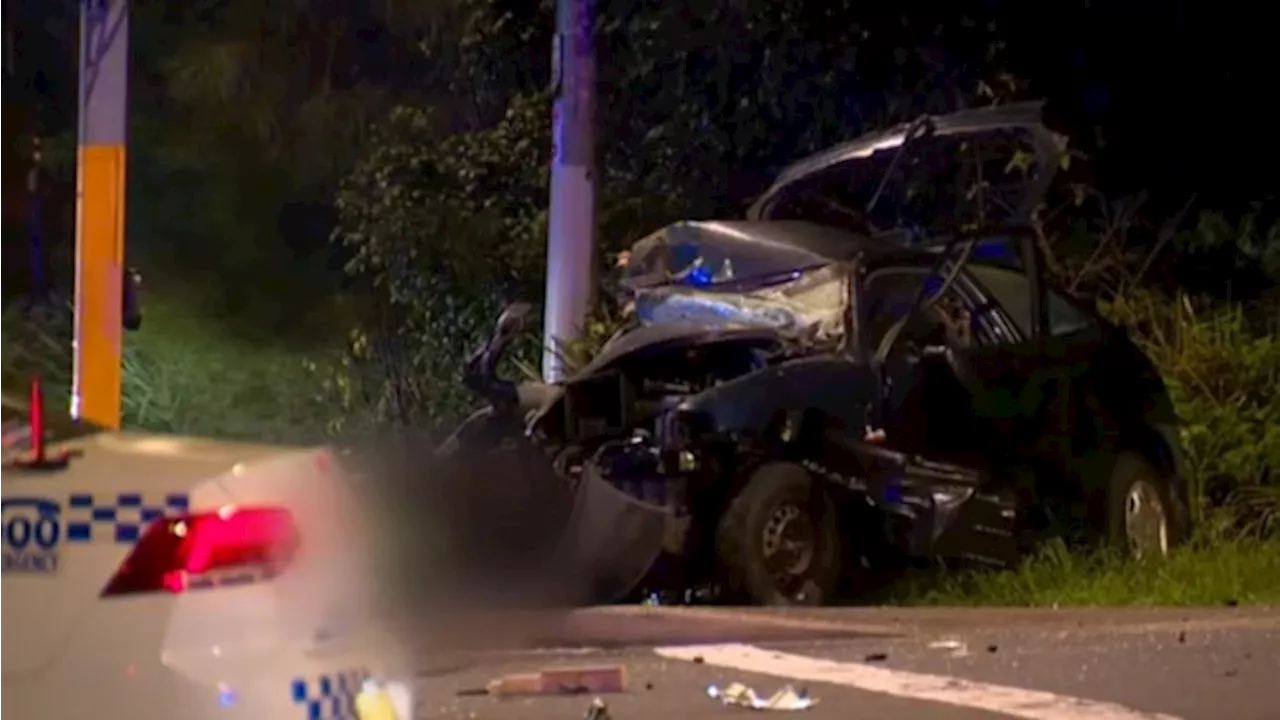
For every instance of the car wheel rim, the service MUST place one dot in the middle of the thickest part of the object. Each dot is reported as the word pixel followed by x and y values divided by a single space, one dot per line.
pixel 1145 522
pixel 789 547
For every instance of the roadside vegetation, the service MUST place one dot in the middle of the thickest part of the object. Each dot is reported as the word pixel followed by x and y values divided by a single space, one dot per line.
pixel 1216 569
pixel 419 213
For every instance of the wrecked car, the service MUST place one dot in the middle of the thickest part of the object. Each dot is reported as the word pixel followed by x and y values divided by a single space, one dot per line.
pixel 872 358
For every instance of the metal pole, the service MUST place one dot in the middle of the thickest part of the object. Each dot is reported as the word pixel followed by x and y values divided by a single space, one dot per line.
pixel 35 221
pixel 100 210
pixel 571 221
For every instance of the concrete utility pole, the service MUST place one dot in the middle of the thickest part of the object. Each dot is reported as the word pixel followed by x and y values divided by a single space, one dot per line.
pixel 572 215
pixel 100 210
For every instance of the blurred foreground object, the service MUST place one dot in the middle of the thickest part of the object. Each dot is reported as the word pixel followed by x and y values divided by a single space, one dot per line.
pixel 384 701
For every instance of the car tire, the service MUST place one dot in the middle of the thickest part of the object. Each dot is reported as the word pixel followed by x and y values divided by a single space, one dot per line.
pixel 1143 511
pixel 741 537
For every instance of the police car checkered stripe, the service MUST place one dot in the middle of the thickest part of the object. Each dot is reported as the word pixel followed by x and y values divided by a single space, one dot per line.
pixel 331 696
pixel 122 516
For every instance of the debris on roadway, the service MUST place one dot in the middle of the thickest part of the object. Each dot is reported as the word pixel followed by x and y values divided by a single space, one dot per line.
pixel 597 710
pixel 786 699
pixel 561 681
pixel 956 647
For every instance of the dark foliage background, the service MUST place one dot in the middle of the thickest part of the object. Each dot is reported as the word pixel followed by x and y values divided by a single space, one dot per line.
pixel 330 199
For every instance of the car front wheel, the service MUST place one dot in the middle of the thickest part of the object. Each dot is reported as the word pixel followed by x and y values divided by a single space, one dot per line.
pixel 779 539
pixel 1142 517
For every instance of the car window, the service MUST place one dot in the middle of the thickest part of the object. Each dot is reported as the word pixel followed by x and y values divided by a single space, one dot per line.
pixel 1012 291
pixel 711 260
pixel 889 294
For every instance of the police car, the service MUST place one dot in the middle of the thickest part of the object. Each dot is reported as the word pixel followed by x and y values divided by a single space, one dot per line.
pixel 151 576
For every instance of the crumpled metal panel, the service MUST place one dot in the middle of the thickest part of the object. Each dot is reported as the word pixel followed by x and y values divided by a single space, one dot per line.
pixel 499 528
pixel 814 302
pixel 612 541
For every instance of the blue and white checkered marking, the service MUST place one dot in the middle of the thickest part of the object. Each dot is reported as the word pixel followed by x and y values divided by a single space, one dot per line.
pixel 121 517
pixel 331 696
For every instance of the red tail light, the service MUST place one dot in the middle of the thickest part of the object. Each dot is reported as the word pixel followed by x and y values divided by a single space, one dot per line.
pixel 231 545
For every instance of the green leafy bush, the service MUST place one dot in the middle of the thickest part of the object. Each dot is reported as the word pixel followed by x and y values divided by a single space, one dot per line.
pixel 442 232
pixel 1224 378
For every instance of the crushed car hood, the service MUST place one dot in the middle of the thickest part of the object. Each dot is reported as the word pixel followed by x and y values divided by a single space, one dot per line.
pixel 656 337
pixel 1005 149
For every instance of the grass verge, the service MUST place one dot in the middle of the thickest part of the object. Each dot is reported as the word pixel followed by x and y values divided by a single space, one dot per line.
pixel 183 374
pixel 186 373
pixel 1206 572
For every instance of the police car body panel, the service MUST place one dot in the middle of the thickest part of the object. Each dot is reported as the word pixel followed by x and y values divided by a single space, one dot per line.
pixel 85 637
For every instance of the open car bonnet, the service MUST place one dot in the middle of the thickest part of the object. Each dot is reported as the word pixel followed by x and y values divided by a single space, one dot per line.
pixel 932 176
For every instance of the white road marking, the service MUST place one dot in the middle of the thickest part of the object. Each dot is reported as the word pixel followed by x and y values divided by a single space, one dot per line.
pixel 1015 702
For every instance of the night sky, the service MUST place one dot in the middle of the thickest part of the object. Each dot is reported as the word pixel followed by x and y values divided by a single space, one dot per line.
pixel 1176 93
pixel 1180 90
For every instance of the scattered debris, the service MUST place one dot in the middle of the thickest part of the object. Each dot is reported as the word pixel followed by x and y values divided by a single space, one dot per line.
pixel 786 699
pixel 956 647
pixel 561 681
pixel 876 657
pixel 597 710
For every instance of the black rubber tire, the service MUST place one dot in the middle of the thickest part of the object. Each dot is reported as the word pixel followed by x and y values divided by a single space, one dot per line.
pixel 740 536
pixel 1129 468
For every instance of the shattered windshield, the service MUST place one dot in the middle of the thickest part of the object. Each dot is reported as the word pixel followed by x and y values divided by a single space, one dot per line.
pixel 810 303
pixel 942 183
pixel 712 254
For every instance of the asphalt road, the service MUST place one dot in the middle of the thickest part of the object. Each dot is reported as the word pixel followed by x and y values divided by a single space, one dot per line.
pixel 1212 664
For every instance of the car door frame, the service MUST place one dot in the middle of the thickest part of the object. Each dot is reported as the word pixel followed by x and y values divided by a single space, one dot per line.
pixel 921 268
pixel 1056 381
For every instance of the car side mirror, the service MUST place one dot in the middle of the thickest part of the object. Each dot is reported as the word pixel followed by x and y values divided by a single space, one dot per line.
pixel 131 309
